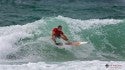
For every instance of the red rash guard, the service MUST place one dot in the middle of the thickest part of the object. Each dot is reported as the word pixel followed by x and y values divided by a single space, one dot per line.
pixel 57 32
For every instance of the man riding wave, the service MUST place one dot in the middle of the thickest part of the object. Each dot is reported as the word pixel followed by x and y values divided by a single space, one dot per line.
pixel 58 33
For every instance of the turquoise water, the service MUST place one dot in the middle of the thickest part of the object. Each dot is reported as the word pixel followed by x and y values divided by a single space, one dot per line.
pixel 25 34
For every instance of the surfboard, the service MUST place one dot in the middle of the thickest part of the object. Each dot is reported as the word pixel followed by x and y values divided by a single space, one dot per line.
pixel 71 44
pixel 76 43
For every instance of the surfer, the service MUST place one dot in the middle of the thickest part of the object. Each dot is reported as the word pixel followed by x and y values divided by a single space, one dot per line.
pixel 58 33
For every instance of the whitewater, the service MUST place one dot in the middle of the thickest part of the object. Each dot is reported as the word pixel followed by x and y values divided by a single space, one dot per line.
pixel 70 65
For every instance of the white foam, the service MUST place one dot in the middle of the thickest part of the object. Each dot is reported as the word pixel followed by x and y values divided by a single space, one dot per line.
pixel 84 24
pixel 70 65
pixel 10 35
pixel 8 42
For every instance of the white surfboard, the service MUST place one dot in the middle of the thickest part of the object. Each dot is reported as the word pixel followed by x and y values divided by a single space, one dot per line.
pixel 76 43
pixel 71 44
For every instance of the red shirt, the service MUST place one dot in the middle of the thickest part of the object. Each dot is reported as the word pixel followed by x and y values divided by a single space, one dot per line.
pixel 57 32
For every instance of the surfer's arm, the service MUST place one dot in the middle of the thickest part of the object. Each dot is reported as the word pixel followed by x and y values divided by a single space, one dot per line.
pixel 64 37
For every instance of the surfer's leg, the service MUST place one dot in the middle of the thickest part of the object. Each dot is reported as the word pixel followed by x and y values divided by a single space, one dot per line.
pixel 54 39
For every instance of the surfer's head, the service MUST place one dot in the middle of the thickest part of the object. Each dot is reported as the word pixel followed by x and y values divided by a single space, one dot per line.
pixel 60 27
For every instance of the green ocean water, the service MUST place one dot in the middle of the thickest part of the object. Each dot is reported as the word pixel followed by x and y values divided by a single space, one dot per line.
pixel 25 32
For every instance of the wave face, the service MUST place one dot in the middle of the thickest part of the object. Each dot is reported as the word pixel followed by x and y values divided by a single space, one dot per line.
pixel 32 41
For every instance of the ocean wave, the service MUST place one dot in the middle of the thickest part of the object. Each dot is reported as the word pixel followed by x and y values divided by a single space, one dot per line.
pixel 34 40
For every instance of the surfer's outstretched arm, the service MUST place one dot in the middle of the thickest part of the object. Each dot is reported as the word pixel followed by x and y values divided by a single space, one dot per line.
pixel 64 37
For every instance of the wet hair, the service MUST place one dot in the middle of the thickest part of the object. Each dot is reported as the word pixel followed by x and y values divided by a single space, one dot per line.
pixel 59 26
